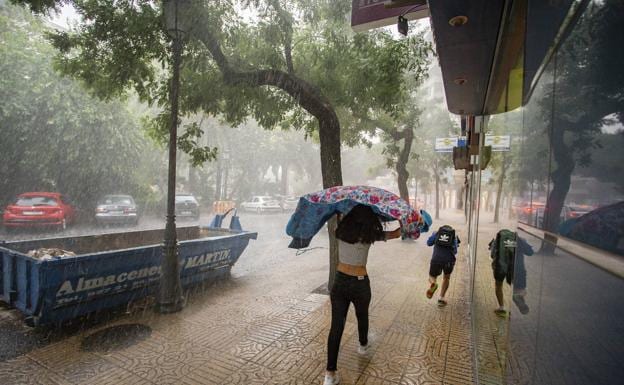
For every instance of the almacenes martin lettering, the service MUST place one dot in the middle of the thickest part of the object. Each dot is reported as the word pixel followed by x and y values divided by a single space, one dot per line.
pixel 84 284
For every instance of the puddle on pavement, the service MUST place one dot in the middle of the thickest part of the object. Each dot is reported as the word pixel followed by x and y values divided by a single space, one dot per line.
pixel 115 337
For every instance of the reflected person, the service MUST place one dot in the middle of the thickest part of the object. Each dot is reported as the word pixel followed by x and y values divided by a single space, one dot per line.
pixel 507 252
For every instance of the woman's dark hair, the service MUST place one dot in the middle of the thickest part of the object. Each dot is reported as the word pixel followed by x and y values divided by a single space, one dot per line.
pixel 361 225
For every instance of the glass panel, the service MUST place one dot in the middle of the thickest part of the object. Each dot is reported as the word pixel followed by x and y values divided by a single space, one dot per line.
pixel 568 330
pixel 587 198
pixel 495 212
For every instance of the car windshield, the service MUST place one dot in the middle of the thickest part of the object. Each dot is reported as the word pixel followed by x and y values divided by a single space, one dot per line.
pixel 116 200
pixel 36 201
pixel 185 199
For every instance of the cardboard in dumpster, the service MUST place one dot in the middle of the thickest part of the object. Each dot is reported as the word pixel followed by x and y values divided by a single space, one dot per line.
pixel 44 254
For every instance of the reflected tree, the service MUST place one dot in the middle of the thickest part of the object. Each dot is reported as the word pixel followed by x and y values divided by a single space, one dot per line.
pixel 587 94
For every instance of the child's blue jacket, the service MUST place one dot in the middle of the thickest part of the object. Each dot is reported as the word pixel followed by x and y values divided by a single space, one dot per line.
pixel 442 254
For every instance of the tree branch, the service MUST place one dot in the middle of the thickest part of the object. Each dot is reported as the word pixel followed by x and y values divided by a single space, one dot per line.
pixel 288 54
pixel 306 95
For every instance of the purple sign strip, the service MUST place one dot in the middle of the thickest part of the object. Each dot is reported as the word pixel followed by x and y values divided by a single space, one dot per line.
pixel 369 14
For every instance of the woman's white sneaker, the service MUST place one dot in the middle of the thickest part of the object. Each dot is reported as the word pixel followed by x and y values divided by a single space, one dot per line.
pixel 332 380
pixel 363 349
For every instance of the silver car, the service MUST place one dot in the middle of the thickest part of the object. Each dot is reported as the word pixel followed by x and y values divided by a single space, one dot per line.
pixel 116 209
pixel 261 204
pixel 289 203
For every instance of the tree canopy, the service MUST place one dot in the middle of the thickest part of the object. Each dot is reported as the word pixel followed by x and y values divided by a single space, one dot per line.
pixel 54 135
pixel 294 64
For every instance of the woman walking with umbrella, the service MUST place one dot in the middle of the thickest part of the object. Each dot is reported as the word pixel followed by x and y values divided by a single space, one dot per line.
pixel 356 232
pixel 363 208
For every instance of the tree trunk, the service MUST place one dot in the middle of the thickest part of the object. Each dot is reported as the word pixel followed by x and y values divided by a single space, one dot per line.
pixel 329 134
pixel 561 180
pixel 416 193
pixel 193 181
pixel 285 178
pixel 460 198
pixel 499 191
pixel 437 194
pixel 226 175
pixel 488 198
pixel 218 183
pixel 401 164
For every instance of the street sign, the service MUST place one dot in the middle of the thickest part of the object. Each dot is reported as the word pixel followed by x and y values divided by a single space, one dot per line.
pixel 498 142
pixel 369 14
pixel 445 144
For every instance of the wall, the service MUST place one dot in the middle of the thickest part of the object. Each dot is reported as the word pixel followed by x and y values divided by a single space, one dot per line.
pixel 566 172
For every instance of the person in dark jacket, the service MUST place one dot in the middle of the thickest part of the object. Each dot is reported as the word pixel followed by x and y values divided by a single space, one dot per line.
pixel 445 243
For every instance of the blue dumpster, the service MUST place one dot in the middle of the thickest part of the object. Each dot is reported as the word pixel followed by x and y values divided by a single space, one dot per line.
pixel 108 270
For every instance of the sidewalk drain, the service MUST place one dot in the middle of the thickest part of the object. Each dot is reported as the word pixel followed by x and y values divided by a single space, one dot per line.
pixel 115 337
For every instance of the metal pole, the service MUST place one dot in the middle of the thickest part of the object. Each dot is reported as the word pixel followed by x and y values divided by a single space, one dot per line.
pixel 171 299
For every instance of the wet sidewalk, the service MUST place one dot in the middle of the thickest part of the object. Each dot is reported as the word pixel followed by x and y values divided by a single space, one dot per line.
pixel 265 325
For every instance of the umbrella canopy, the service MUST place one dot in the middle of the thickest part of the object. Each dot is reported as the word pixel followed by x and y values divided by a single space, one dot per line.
pixel 603 228
pixel 314 209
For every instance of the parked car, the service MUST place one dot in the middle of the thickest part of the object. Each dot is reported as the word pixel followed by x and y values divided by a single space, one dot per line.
pixel 39 209
pixel 289 203
pixel 575 211
pixel 261 204
pixel 186 206
pixel 116 209
pixel 529 212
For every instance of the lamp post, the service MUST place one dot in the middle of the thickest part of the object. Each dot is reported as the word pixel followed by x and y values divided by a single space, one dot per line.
pixel 170 297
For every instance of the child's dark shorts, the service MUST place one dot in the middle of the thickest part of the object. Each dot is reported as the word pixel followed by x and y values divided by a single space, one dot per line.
pixel 436 268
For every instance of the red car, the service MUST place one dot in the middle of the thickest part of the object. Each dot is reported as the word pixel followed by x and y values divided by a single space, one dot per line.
pixel 39 209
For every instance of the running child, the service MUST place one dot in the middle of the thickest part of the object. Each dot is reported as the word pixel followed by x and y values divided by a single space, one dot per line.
pixel 445 243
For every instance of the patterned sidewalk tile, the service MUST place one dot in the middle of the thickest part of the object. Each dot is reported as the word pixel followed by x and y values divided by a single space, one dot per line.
pixel 250 330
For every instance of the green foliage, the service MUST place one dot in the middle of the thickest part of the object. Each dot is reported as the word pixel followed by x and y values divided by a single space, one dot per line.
pixel 54 135
pixel 123 46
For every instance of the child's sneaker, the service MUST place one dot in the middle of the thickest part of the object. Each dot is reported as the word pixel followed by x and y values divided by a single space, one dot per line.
pixel 501 312
pixel 363 349
pixel 332 380
pixel 432 289
pixel 519 301
pixel 442 302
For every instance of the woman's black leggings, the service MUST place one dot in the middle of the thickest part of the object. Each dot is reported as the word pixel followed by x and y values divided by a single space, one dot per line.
pixel 347 289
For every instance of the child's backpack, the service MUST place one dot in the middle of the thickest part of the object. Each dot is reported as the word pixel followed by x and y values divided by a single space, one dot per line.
pixel 445 236
pixel 503 251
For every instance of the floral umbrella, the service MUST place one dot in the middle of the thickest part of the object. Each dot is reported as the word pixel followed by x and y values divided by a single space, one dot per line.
pixel 314 209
